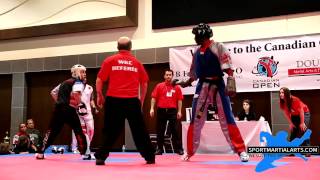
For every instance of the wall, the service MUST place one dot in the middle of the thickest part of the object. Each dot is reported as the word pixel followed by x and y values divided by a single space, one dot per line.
pixel 144 37
pixel 15 14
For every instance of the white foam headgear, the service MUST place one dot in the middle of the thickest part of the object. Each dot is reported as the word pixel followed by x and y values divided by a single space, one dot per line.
pixel 76 69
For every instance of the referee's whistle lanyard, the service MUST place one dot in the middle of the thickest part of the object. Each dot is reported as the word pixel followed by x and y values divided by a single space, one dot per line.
pixel 169 90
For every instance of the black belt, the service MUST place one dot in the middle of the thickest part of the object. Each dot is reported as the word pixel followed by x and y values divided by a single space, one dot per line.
pixel 211 80
pixel 167 109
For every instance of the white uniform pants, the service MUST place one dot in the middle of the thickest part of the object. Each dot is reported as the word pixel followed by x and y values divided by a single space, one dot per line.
pixel 87 124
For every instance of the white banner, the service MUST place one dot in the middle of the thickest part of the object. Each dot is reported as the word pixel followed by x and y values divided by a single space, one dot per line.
pixel 264 65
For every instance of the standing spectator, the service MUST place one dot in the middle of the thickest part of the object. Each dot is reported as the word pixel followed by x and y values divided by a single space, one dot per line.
pixel 34 134
pixel 247 113
pixel 124 75
pixel 168 98
pixel 296 112
pixel 210 61
pixel 65 111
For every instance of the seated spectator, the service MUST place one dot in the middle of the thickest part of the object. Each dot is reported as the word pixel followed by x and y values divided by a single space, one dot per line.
pixel 247 113
pixel 4 149
pixel 21 141
pixel 33 133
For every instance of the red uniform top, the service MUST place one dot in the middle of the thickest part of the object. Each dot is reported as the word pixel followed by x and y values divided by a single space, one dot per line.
pixel 295 106
pixel 124 73
pixel 166 95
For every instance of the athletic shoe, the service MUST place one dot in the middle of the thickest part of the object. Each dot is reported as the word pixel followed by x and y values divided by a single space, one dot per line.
pixel 61 150
pixel 92 156
pixel 244 157
pixel 86 157
pixel 39 156
pixel 54 150
pixel 76 151
pixel 185 157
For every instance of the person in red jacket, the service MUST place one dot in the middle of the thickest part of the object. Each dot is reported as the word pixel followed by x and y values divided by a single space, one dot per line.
pixel 125 76
pixel 296 112
pixel 168 98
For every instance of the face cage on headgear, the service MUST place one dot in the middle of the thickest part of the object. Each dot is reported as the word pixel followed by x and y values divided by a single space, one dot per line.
pixel 75 70
pixel 203 31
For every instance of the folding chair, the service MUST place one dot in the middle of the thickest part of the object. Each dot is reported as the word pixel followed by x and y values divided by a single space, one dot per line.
pixel 167 141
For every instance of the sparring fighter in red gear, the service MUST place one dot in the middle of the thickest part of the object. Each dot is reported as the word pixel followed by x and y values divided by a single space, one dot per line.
pixel 86 117
pixel 210 61
pixel 65 111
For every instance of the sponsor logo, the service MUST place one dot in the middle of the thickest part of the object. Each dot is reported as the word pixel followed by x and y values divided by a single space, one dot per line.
pixel 266 67
pixel 305 68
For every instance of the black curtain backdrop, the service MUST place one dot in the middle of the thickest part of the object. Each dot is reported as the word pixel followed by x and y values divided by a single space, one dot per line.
pixel 5 105
pixel 175 13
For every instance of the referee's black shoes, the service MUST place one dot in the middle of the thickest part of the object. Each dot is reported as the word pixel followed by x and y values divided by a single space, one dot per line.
pixel 159 152
pixel 151 161
pixel 99 162
pixel 180 152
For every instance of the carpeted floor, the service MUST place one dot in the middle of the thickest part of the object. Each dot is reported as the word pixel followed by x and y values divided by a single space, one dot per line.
pixel 130 166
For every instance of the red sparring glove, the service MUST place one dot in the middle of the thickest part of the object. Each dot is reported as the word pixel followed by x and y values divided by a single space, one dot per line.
pixel 229 71
pixel 231 89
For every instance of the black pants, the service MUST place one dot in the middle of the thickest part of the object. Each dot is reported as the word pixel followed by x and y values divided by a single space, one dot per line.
pixel 116 111
pixel 296 132
pixel 174 127
pixel 64 114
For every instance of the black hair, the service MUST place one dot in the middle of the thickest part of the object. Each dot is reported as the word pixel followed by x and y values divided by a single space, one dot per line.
pixel 169 71
pixel 251 115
